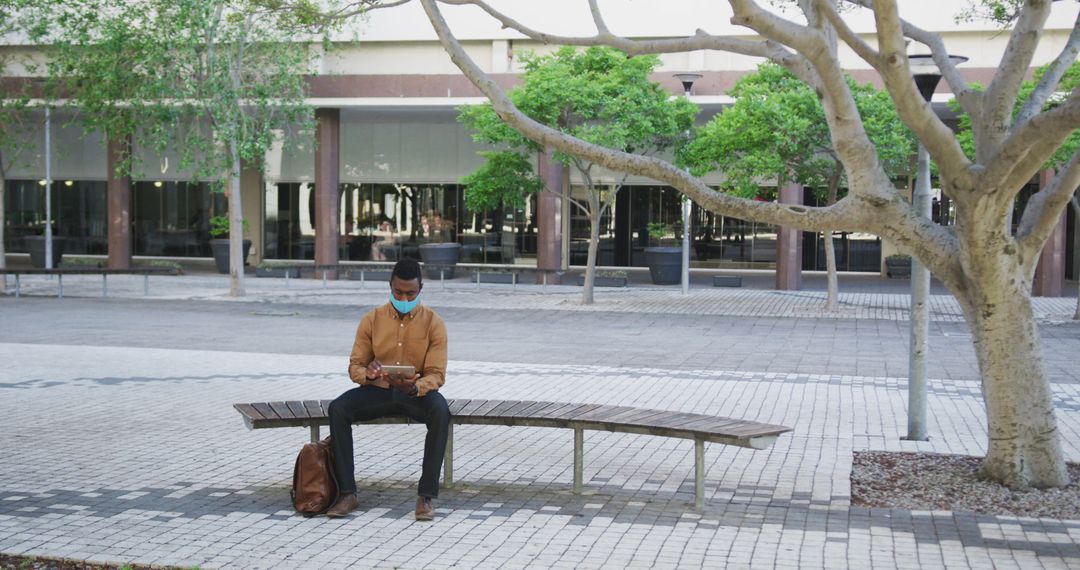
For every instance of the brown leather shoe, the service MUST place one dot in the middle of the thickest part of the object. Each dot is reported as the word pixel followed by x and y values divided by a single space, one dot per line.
pixel 424 510
pixel 345 504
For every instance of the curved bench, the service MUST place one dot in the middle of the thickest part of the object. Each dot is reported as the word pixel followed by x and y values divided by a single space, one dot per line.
pixel 579 417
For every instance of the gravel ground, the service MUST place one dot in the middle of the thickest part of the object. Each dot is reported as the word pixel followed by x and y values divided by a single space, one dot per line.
pixel 933 481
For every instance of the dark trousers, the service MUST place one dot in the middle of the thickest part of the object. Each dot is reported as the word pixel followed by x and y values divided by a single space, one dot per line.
pixel 371 402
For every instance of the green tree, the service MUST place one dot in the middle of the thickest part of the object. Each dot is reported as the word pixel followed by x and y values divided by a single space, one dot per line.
pixel 217 81
pixel 598 95
pixel 776 130
pixel 18 123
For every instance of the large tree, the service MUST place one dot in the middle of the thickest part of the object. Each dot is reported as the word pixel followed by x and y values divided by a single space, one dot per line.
pixel 217 81
pixel 597 95
pixel 18 120
pixel 776 131
pixel 988 268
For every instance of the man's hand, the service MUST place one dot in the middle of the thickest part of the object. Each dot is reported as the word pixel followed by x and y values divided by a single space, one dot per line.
pixel 374 370
pixel 403 385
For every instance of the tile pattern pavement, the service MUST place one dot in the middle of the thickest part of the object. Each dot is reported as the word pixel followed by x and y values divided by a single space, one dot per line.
pixel 134 454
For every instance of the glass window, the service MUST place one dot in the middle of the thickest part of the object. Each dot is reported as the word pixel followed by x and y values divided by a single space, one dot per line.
pixel 78 214
pixel 171 218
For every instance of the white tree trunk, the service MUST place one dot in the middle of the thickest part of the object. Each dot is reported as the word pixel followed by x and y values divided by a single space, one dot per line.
pixel 236 227
pixel 590 265
pixel 830 267
pixel 1024 444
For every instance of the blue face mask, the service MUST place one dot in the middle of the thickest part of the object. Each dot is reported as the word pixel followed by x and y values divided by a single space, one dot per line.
pixel 404 307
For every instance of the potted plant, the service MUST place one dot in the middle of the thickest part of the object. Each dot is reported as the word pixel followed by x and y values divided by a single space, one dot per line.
pixel 664 261
pixel 35 245
pixel 276 269
pixel 439 259
pixel 219 231
pixel 898 265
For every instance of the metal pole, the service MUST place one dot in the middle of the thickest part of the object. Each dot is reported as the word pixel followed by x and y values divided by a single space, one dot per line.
pixel 48 191
pixel 699 473
pixel 686 245
pixel 920 312
pixel 579 458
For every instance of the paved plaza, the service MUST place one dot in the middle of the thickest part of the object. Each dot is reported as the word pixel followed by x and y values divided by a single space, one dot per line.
pixel 121 444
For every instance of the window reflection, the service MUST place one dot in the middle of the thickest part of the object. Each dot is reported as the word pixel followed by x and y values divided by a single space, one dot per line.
pixel 385 222
pixel 78 214
pixel 172 218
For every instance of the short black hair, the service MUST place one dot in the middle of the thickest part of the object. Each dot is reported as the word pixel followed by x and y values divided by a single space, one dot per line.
pixel 408 269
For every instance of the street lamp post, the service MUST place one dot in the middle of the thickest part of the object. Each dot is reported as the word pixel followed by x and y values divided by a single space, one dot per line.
pixel 926 75
pixel 48 190
pixel 687 80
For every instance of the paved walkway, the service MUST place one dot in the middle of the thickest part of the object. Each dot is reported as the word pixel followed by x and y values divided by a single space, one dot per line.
pixel 117 450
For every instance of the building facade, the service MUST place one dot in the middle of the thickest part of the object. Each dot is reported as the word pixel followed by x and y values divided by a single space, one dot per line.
pixel 390 147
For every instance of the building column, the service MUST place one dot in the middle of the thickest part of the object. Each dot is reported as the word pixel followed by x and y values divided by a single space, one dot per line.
pixel 789 245
pixel 252 200
pixel 118 199
pixel 327 178
pixel 1050 271
pixel 549 222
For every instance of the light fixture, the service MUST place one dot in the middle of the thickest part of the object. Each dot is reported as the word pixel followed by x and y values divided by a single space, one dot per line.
pixel 69 183
pixel 687 80
pixel 157 184
pixel 926 72
pixel 41 182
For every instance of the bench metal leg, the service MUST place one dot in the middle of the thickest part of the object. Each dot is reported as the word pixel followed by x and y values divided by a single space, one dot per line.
pixel 60 282
pixel 104 285
pixel 361 278
pixel 448 459
pixel 146 285
pixel 699 473
pixel 17 286
pixel 314 433
pixel 513 281
pixel 579 457
pixel 287 272
pixel 324 279
pixel 442 278
pixel 477 280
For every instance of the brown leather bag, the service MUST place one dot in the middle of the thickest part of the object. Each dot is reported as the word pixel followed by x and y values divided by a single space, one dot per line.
pixel 314 487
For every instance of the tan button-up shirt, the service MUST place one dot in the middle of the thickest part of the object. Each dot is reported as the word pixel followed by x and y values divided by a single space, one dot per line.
pixel 417 339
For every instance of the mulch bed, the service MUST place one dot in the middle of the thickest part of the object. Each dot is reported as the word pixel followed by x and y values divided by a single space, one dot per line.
pixel 939 482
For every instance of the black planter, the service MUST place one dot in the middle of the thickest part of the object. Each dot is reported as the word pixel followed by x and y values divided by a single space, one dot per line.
pixel 439 257
pixel 220 247
pixel 898 267
pixel 665 265
pixel 36 246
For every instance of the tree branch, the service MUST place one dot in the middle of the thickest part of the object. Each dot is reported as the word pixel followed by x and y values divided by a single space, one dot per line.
pixel 910 105
pixel 1000 98
pixel 1025 150
pixel 1043 210
pixel 598 18
pixel 1050 80
pixel 699 41
pixel 861 48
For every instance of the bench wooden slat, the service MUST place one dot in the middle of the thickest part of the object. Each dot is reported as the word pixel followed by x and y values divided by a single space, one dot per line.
pixel 313 409
pixel 504 409
pixel 297 409
pixel 530 409
pixel 575 414
pixel 556 409
pixel 457 405
pixel 472 406
pixel 282 410
pixel 266 411
pixel 487 407
pixel 601 414
pixel 324 405
pixel 248 411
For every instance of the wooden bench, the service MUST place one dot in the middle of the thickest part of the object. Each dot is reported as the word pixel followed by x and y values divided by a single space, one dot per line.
pixel 579 417
pixel 105 272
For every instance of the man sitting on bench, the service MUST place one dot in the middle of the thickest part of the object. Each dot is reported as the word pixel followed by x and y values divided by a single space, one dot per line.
pixel 401 332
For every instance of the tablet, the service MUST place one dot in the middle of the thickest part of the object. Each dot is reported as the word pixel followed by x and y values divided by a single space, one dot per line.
pixel 404 371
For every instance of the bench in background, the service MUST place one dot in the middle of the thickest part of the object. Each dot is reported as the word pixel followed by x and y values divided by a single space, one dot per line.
pixel 105 272
pixel 579 417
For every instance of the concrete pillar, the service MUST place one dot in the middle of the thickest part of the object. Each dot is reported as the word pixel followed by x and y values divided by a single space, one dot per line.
pixel 789 245
pixel 1050 271
pixel 252 200
pixel 118 200
pixel 549 214
pixel 327 178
